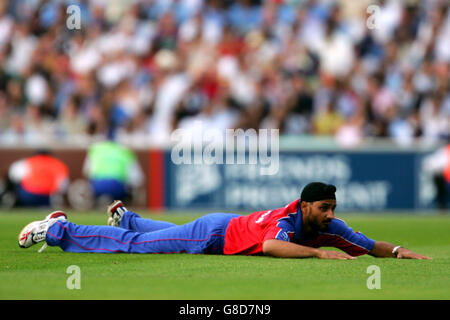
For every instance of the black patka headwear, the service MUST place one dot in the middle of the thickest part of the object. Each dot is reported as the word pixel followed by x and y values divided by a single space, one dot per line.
pixel 316 191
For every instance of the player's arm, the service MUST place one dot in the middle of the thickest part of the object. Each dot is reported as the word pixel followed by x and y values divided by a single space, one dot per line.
pixel 285 249
pixel 383 249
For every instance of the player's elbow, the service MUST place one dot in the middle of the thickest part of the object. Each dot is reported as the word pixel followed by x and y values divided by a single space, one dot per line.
pixel 270 247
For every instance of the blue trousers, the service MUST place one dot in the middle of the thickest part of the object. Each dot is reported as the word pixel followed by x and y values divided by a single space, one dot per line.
pixel 205 235
pixel 109 187
pixel 30 199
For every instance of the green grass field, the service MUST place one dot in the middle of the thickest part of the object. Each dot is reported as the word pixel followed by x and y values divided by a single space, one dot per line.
pixel 27 274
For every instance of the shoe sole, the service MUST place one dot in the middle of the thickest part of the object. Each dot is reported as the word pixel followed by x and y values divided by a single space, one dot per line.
pixel 110 211
pixel 113 207
pixel 25 232
pixel 56 214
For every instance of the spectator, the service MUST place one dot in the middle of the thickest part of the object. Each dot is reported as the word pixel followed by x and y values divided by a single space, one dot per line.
pixel 437 164
pixel 113 170
pixel 38 179
pixel 300 107
pixel 328 120
pixel 139 69
pixel 435 119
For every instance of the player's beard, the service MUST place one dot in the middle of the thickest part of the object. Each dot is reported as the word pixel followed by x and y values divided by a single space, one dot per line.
pixel 313 223
pixel 318 225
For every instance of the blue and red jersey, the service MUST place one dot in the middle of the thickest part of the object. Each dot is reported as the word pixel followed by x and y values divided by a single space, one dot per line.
pixel 246 234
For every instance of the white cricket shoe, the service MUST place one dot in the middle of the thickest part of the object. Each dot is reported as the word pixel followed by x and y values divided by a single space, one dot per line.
pixel 115 212
pixel 35 231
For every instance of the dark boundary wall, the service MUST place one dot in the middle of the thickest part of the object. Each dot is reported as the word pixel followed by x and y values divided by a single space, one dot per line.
pixel 74 158
pixel 367 180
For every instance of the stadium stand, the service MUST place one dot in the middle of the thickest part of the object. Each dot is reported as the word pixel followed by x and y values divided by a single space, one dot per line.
pixel 137 70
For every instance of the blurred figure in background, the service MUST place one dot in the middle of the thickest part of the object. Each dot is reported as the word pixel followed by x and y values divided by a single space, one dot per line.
pixel 113 170
pixel 438 165
pixel 39 179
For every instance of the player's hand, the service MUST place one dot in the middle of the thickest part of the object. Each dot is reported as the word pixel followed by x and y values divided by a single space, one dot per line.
pixel 325 254
pixel 404 253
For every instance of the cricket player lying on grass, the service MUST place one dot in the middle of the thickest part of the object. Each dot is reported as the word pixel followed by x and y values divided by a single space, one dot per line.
pixel 295 231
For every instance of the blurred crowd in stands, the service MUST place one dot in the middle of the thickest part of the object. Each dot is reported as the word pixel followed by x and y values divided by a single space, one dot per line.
pixel 137 70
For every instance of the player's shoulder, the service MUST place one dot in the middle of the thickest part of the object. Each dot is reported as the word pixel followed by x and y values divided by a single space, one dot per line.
pixel 292 205
pixel 290 208
pixel 338 221
pixel 338 226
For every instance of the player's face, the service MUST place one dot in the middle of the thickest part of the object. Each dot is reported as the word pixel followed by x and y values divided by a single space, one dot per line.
pixel 321 213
